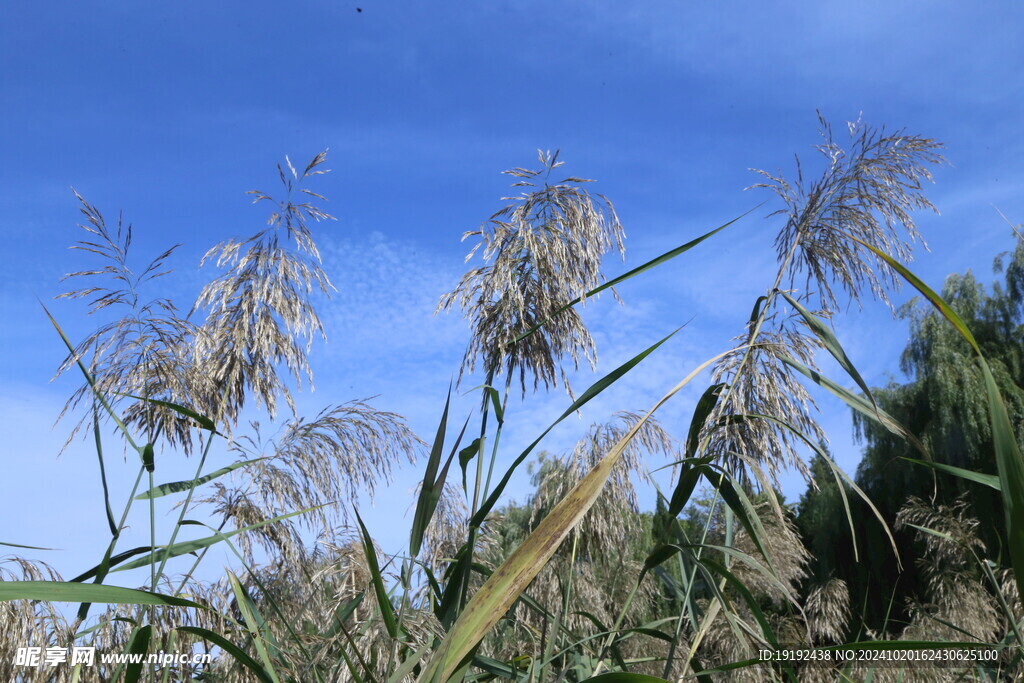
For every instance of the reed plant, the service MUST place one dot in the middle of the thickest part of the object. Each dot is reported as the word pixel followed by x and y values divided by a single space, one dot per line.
pixel 580 583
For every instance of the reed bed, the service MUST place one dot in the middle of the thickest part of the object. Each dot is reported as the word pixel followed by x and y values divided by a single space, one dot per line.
pixel 580 583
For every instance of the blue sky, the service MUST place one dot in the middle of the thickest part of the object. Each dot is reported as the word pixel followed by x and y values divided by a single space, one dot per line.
pixel 170 113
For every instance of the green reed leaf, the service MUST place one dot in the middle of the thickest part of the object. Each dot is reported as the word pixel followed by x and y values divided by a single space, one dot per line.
pixel 178 486
pixel 186 547
pixel 592 391
pixel 387 610
pixel 229 647
pixel 67 591
pixel 990 480
pixel 828 339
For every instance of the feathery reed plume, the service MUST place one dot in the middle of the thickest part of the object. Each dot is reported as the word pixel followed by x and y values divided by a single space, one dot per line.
pixel 331 590
pixel 762 386
pixel 868 192
pixel 733 632
pixel 592 576
pixel 343 451
pixel 825 618
pixel 29 623
pixel 142 353
pixel 613 519
pixel 313 465
pixel 827 609
pixel 540 251
pixel 259 314
pixel 785 549
pixel 957 597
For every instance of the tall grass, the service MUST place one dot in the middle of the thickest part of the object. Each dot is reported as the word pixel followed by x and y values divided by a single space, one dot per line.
pixel 579 585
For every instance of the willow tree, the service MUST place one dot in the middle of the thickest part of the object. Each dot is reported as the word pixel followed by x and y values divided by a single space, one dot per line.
pixel 943 402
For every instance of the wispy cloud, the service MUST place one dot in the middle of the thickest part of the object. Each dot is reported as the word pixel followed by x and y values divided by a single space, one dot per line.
pixel 383 309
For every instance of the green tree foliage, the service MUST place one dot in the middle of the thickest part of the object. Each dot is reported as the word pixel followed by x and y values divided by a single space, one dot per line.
pixel 944 404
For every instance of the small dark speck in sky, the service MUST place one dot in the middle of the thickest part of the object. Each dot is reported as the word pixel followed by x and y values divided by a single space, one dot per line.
pixel 359 9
